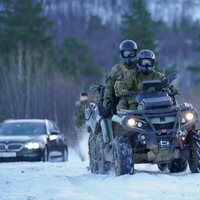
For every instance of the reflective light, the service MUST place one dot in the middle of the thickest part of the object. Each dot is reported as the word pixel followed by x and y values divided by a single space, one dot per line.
pixel 139 124
pixel 131 122
pixel 183 138
pixel 189 116
pixel 183 120
pixel 142 137
pixel 32 145
pixel 53 137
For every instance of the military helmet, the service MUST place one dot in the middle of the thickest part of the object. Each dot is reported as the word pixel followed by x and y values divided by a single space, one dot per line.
pixel 128 52
pixel 145 61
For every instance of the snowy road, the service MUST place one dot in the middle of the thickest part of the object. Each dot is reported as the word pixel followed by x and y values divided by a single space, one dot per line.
pixel 72 181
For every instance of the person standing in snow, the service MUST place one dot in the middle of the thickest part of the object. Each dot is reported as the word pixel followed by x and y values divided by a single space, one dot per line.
pixel 79 122
pixel 79 112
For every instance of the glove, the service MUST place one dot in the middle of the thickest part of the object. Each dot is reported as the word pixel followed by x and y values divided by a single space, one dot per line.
pixel 123 93
pixel 173 90
pixel 107 104
pixel 104 112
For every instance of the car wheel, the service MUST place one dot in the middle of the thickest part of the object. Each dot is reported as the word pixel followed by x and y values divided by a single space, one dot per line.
pixel 65 154
pixel 45 157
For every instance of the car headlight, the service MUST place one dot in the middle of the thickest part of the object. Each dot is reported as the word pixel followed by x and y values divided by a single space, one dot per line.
pixel 189 116
pixel 32 145
pixel 131 122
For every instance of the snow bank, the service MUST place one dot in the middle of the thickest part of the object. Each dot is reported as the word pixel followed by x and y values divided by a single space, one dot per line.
pixel 72 181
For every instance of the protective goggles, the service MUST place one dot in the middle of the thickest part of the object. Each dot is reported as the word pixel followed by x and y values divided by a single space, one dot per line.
pixel 146 62
pixel 126 54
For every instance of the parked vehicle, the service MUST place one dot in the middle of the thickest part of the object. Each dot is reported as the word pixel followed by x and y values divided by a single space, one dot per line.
pixel 160 132
pixel 31 139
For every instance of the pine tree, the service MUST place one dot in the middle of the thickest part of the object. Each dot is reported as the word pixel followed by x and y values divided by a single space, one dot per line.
pixel 24 51
pixel 194 36
pixel 137 25
pixel 95 24
pixel 24 31
pixel 195 72
pixel 76 61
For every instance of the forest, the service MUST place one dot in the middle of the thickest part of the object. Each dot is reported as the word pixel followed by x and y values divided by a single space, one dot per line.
pixel 49 52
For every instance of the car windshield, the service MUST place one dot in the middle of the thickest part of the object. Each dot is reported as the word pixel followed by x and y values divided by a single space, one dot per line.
pixel 22 128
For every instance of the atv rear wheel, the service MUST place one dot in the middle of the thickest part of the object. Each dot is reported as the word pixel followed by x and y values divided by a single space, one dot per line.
pixel 122 156
pixel 194 159
pixel 103 165
pixel 92 153
pixel 177 165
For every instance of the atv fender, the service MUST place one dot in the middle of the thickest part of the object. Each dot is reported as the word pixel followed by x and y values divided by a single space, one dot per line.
pixel 118 119
pixel 106 129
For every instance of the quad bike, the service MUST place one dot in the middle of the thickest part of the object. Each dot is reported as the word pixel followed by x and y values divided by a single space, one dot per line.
pixel 160 132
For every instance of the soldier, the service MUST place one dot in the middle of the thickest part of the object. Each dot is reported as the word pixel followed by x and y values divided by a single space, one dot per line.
pixel 79 122
pixel 128 53
pixel 79 112
pixel 144 71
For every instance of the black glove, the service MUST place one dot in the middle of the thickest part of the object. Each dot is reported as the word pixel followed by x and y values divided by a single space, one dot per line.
pixel 104 112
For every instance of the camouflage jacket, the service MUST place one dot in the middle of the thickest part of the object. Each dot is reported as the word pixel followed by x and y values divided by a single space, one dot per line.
pixel 133 81
pixel 117 74
pixel 79 114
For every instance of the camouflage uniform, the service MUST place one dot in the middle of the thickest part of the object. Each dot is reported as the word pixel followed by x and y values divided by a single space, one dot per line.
pixel 117 74
pixel 79 114
pixel 79 127
pixel 132 82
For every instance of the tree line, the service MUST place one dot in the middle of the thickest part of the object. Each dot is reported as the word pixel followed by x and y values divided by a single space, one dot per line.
pixel 42 78
pixel 39 79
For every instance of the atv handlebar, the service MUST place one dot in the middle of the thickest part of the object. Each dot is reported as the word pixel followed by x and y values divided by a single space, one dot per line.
pixel 169 79
pixel 132 93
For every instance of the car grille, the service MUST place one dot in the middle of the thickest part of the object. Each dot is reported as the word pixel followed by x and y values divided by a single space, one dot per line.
pixel 15 147
pixel 11 147
pixel 2 147
pixel 164 126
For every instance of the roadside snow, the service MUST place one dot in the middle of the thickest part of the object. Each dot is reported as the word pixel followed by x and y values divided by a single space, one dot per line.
pixel 72 181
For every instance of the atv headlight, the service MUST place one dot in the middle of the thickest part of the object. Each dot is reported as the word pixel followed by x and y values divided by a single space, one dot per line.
pixel 32 145
pixel 189 116
pixel 131 122
pixel 183 120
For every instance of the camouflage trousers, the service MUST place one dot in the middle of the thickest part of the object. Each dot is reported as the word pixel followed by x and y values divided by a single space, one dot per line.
pixel 127 103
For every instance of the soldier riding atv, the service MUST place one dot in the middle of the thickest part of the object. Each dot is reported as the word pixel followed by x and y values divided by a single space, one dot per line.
pixel 159 132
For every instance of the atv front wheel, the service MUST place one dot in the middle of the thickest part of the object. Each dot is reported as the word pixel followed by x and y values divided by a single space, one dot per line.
pixel 92 153
pixel 122 156
pixel 194 159
pixel 103 165
pixel 177 165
